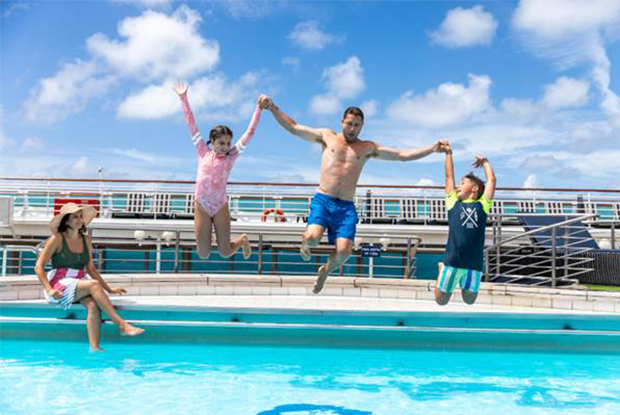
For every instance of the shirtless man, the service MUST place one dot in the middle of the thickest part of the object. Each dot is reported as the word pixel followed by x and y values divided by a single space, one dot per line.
pixel 344 156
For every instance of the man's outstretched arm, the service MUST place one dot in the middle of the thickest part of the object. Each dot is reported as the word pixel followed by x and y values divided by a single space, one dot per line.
pixel 309 134
pixel 386 153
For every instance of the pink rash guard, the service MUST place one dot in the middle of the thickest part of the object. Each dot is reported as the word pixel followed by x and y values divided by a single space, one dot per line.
pixel 214 169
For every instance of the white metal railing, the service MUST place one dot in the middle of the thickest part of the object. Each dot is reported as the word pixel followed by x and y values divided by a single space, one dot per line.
pixel 269 255
pixel 552 254
pixel 161 199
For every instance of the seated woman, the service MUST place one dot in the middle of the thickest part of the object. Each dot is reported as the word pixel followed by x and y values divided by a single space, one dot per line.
pixel 71 253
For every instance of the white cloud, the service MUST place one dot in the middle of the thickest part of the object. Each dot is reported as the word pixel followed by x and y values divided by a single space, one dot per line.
pixel 447 105
pixel 571 32
pixel 308 36
pixel 426 182
pixel 82 166
pixel 212 92
pixel 16 8
pixel 343 81
pixel 599 164
pixel 466 27
pixel 566 93
pixel 156 46
pixel 67 92
pixel 325 105
pixel 559 19
pixel 370 107
pixel 147 3
pixel 32 144
pixel 531 182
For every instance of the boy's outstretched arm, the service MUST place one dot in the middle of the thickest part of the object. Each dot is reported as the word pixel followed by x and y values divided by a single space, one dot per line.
pixel 450 185
pixel 489 188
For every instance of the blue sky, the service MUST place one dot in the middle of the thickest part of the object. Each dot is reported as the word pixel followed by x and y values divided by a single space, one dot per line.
pixel 530 84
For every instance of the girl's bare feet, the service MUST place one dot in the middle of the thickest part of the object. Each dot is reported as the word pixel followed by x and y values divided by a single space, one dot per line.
pixel 247 249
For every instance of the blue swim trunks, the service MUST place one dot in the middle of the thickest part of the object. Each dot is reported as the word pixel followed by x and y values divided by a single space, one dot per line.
pixel 337 216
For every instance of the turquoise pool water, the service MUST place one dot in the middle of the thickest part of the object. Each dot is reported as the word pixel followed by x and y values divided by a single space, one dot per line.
pixel 60 377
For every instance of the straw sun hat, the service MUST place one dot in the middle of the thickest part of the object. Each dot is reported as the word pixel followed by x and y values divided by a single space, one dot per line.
pixel 69 208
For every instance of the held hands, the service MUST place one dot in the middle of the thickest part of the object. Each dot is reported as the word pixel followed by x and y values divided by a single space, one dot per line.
pixel 180 88
pixel 119 291
pixel 443 146
pixel 264 102
pixel 479 162
pixel 55 294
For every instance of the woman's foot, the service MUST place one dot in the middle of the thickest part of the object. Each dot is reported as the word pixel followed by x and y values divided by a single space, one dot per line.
pixel 129 330
pixel 320 281
pixel 96 350
pixel 247 249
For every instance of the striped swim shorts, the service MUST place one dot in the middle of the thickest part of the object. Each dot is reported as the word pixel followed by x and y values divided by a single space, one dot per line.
pixel 467 278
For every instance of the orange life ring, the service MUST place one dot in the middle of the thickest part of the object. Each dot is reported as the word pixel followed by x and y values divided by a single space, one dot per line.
pixel 278 212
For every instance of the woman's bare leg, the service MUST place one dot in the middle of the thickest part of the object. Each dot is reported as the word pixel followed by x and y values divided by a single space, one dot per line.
pixel 227 247
pixel 93 322
pixel 94 289
pixel 203 225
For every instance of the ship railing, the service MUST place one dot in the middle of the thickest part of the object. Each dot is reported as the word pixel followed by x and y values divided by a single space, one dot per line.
pixel 387 256
pixel 554 254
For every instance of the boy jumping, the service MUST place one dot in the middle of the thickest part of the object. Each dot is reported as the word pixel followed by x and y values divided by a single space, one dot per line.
pixel 468 207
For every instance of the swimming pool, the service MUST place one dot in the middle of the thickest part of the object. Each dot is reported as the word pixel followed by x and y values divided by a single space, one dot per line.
pixel 197 360
pixel 57 377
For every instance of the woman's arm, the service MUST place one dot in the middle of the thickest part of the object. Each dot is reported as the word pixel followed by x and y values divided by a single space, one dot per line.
pixel 94 272
pixel 201 146
pixel 51 247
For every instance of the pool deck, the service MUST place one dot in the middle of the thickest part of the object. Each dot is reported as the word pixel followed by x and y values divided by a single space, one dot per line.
pixel 340 293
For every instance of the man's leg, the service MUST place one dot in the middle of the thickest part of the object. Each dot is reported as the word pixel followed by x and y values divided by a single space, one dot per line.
pixel 343 250
pixel 311 238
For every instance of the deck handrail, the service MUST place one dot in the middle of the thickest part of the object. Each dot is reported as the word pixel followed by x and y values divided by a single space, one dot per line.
pixel 379 186
pixel 542 229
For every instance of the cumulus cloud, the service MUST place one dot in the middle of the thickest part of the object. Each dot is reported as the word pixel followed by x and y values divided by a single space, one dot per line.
pixel 343 81
pixel 566 93
pixel 465 28
pixel 67 92
pixel 308 35
pixel 447 105
pixel 155 46
pixel 531 182
pixel 573 32
pixel 147 3
pixel 370 107
pixel 207 93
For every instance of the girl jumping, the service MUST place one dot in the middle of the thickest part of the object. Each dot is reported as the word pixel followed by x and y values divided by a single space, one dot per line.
pixel 214 165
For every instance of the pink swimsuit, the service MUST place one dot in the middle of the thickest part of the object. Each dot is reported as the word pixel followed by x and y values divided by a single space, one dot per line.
pixel 214 169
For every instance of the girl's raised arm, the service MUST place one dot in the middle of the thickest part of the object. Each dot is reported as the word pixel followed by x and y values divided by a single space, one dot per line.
pixel 201 146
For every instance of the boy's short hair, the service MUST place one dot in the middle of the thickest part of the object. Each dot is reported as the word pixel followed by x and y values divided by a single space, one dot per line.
pixel 353 111
pixel 478 182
